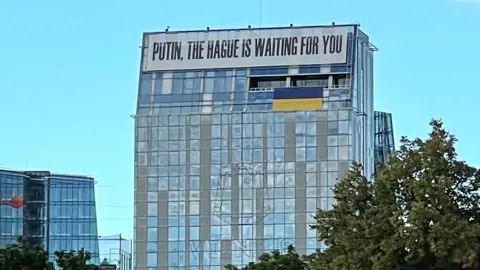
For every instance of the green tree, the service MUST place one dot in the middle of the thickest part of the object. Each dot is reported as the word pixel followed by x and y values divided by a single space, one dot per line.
pixel 344 227
pixel 319 260
pixel 75 260
pixel 421 212
pixel 275 260
pixel 23 256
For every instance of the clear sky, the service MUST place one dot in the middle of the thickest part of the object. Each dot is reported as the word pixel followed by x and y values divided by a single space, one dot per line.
pixel 69 74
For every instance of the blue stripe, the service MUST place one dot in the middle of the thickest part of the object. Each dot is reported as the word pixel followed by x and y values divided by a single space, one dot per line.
pixel 342 68
pixel 309 69
pixel 269 71
pixel 298 92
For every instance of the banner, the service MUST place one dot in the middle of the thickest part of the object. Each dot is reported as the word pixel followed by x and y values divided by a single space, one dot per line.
pixel 245 48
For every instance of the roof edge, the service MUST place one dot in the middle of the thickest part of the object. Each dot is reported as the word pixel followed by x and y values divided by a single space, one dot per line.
pixel 250 28
pixel 25 173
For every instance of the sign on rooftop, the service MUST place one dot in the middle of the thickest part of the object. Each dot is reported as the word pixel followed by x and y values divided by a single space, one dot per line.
pixel 245 48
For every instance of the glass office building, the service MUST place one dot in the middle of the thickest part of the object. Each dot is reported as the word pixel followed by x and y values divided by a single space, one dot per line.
pixel 116 250
pixel 54 210
pixel 227 168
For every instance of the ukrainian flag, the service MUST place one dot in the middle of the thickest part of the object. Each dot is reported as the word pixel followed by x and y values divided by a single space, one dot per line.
pixel 297 98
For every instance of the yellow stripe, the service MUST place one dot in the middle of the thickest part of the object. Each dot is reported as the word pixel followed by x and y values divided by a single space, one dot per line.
pixel 297 104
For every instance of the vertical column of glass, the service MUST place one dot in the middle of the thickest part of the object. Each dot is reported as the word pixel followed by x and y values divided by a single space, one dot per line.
pixel 235 128
pixel 142 183
pixel 239 91
pixel 175 173
pixel 218 184
pixel 57 217
pixel 245 185
pixel 221 91
pixel 384 140
pixel 148 160
pixel 11 221
pixel 193 193
pixel 278 200
pixel 275 151
pixel 144 94
pixel 86 200
pixel 260 154
pixel 226 186
pixel 306 137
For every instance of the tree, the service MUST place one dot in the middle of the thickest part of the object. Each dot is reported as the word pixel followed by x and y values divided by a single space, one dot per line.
pixel 421 212
pixel 22 255
pixel 275 260
pixel 75 260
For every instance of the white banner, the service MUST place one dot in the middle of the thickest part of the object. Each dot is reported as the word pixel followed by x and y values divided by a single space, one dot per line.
pixel 246 48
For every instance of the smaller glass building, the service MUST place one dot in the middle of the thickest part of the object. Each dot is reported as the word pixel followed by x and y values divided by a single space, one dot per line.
pixel 384 139
pixel 116 250
pixel 55 210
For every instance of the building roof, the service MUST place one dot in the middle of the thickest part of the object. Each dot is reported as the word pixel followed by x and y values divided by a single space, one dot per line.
pixel 168 30
pixel 31 173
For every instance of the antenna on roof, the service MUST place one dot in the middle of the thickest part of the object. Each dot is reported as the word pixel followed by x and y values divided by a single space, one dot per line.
pixel 260 15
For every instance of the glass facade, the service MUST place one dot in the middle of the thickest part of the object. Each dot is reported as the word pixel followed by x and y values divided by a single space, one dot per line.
pixel 384 139
pixel 221 176
pixel 58 211
pixel 11 218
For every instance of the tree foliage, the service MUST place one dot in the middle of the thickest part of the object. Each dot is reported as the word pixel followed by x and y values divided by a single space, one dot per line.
pixel 23 256
pixel 290 260
pixel 421 212
pixel 75 260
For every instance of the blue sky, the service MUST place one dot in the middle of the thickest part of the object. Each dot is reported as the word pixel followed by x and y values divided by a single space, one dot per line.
pixel 69 74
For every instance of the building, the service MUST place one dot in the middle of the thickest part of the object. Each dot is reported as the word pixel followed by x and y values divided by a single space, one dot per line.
pixel 240 134
pixel 55 210
pixel 116 250
pixel 384 138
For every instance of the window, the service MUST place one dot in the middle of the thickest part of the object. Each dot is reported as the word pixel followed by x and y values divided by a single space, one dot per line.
pixel 152 234
pixel 152 196
pixel 145 84
pixel 316 80
pixel 267 82
pixel 152 259
pixel 341 81
pixel 152 222
pixel 152 209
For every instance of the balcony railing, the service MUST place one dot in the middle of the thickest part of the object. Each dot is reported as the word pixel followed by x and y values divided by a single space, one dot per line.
pixel 340 86
pixel 270 89
pixel 261 89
